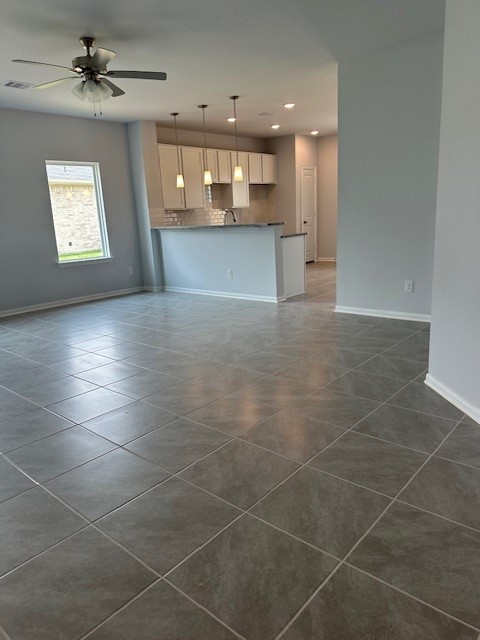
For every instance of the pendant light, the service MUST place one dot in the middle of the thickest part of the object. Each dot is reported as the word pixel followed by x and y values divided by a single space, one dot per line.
pixel 207 174
pixel 237 170
pixel 180 180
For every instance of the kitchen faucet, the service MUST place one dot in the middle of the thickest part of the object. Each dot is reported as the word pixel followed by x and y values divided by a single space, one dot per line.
pixel 226 212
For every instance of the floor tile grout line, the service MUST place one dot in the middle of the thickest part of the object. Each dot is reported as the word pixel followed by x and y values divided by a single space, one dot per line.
pixel 124 606
pixel 409 595
pixel 200 606
pixel 358 542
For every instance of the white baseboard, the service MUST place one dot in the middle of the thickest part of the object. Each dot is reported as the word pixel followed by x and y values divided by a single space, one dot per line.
pixel 154 289
pixel 459 401
pixel 69 301
pixel 226 294
pixel 383 313
pixel 325 260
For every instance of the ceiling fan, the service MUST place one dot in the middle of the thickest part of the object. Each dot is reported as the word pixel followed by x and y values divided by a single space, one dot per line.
pixel 92 69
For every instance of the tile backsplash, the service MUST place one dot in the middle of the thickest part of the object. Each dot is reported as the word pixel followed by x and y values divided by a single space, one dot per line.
pixel 213 214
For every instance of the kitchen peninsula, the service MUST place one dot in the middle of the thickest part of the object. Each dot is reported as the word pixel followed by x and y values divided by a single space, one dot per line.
pixel 248 261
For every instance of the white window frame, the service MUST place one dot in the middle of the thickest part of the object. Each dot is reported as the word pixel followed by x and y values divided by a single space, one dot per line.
pixel 102 220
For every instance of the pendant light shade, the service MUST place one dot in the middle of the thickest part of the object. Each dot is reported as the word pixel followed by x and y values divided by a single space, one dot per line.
pixel 207 174
pixel 180 180
pixel 237 170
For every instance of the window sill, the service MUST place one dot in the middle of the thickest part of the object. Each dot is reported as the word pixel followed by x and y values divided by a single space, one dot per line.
pixel 82 263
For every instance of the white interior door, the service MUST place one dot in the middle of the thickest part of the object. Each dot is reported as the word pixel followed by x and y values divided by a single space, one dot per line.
pixel 309 211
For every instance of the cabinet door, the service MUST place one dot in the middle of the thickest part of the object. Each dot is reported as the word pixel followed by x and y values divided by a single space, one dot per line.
pixel 173 198
pixel 192 160
pixel 224 166
pixel 269 168
pixel 239 190
pixel 255 168
pixel 212 164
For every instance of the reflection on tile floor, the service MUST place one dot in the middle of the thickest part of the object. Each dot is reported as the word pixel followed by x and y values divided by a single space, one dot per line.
pixel 193 467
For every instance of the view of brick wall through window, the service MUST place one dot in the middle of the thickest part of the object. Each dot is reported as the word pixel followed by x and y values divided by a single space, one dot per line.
pixel 75 212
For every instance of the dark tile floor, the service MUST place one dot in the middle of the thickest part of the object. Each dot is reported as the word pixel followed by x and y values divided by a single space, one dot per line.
pixel 188 467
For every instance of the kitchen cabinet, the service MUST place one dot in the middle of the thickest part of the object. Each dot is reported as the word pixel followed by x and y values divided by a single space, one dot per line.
pixel 255 168
pixel 212 164
pixel 173 198
pixel 269 168
pixel 224 166
pixel 238 192
pixel 194 192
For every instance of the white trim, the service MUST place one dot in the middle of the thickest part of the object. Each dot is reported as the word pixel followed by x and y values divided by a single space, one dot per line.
pixel 225 294
pixel 83 263
pixel 454 398
pixel 154 289
pixel 383 313
pixel 326 260
pixel 69 301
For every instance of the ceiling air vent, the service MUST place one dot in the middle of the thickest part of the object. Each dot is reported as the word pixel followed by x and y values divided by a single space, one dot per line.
pixel 16 84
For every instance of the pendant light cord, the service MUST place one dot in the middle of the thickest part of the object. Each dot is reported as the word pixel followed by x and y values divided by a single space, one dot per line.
pixel 176 140
pixel 235 116
pixel 203 107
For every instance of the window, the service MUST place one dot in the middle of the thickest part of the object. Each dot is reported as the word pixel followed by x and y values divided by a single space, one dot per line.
pixel 78 213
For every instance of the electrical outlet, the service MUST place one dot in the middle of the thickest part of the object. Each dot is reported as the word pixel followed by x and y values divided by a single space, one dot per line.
pixel 229 273
pixel 408 286
pixel 130 271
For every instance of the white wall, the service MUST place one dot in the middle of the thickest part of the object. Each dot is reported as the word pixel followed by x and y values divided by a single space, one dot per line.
pixel 29 273
pixel 389 120
pixel 454 367
pixel 327 196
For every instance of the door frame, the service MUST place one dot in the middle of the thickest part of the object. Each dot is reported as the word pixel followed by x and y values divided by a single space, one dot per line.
pixel 315 217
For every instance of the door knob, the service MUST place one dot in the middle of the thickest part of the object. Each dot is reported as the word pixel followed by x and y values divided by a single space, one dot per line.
pixel 305 221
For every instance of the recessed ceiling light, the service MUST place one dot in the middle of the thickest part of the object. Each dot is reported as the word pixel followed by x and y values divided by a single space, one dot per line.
pixel 289 105
pixel 314 132
pixel 231 119
pixel 275 126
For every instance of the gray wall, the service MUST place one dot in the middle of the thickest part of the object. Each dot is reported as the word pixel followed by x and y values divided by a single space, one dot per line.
pixel 198 260
pixel 282 203
pixel 214 140
pixel 455 337
pixel 389 120
pixel 29 273
pixel 327 197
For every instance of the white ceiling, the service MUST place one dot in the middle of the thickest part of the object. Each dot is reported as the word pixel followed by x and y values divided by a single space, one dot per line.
pixel 267 51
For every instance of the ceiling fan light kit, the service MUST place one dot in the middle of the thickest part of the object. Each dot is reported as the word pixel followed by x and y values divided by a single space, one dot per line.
pixel 95 85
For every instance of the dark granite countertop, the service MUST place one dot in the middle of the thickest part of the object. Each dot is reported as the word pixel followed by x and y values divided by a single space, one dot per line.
pixel 293 235
pixel 219 226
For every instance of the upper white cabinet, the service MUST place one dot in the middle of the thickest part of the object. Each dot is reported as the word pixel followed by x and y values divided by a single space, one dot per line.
pixel 212 164
pixel 224 166
pixel 194 192
pixel 258 168
pixel 173 198
pixel 262 168
pixel 255 168
pixel 269 168
pixel 238 193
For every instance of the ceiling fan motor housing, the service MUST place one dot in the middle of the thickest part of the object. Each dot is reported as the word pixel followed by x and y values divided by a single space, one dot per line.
pixel 81 62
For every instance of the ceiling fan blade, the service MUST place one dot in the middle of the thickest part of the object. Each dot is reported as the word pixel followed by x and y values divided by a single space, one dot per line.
pixel 101 58
pixel 138 75
pixel 53 83
pixel 44 64
pixel 116 90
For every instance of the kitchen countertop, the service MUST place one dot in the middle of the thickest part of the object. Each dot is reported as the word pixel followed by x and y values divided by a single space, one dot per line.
pixel 220 226
pixel 294 235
